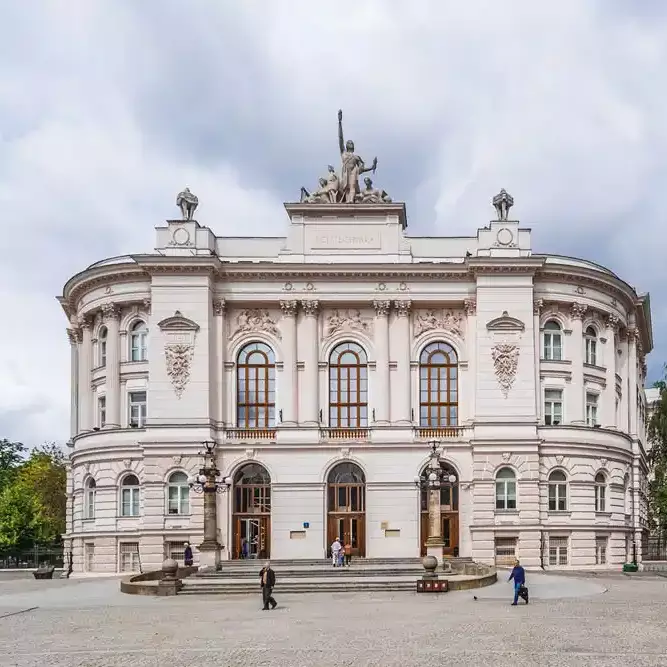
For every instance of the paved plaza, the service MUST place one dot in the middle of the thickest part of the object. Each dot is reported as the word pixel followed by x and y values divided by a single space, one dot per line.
pixel 598 620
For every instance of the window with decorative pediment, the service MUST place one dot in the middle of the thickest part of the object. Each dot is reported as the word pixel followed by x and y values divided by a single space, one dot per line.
pixel 255 386
pixel 348 387
pixel 438 388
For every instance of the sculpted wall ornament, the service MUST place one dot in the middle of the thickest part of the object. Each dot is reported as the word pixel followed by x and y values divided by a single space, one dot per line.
pixel 179 346
pixel 578 310
pixel 188 203
pixel 110 311
pixel 505 361
pixel 346 320
pixel 344 189
pixel 538 304
pixel 248 321
pixel 447 320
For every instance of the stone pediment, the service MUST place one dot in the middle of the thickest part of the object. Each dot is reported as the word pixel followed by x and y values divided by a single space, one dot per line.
pixel 506 323
pixel 177 322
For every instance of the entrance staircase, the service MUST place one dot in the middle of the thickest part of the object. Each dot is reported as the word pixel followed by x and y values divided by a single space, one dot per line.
pixel 312 576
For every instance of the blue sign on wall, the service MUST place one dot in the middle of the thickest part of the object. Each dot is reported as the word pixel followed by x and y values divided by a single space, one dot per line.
pixel 306 525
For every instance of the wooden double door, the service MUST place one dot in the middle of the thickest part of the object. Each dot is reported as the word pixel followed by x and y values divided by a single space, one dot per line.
pixel 449 532
pixel 252 536
pixel 349 529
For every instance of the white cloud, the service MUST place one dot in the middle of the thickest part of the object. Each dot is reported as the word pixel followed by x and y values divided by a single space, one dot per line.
pixel 109 108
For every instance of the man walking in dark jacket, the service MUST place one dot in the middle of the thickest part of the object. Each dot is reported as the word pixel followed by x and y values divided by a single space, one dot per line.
pixel 519 576
pixel 267 578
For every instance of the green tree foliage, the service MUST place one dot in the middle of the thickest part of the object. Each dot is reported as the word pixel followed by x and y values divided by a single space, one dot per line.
pixel 657 434
pixel 11 457
pixel 33 503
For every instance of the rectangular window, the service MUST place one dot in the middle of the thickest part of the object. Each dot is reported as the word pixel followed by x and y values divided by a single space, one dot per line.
pixel 129 557
pixel 558 550
pixel 137 409
pixel 553 407
pixel 601 550
pixel 175 550
pixel 179 499
pixel 130 501
pixel 103 351
pixel 591 409
pixel 591 351
pixel 89 556
pixel 505 550
pixel 102 411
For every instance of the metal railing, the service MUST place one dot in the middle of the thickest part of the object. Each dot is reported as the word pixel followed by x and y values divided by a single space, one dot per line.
pixel 655 548
pixel 11 559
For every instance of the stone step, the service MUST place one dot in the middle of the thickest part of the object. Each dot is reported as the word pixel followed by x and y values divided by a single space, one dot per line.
pixel 323 572
pixel 257 562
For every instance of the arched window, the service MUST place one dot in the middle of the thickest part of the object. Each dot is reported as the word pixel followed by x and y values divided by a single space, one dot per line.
pixel 591 339
pixel 557 491
pixel 438 393
pixel 138 341
pixel 553 341
pixel 129 496
pixel 600 492
pixel 178 494
pixel 348 386
pixel 506 489
pixel 102 347
pixel 255 386
pixel 89 499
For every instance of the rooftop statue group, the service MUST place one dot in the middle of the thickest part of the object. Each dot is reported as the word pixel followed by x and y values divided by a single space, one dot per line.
pixel 345 189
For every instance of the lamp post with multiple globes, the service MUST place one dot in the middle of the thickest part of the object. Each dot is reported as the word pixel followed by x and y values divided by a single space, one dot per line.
pixel 210 482
pixel 432 480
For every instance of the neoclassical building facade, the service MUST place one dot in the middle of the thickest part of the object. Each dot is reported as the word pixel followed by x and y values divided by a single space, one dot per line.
pixel 324 363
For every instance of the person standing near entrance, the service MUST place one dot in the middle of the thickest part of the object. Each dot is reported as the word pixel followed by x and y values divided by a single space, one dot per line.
pixel 187 555
pixel 267 578
pixel 348 552
pixel 519 576
pixel 335 551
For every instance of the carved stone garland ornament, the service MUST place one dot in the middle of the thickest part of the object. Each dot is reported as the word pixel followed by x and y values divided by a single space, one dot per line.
pixel 505 361
pixel 179 360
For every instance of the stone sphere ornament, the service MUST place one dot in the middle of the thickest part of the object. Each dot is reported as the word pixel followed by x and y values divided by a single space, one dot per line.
pixel 430 564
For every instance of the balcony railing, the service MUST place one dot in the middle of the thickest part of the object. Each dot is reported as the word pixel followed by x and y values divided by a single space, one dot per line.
pixel 357 434
pixel 439 432
pixel 251 434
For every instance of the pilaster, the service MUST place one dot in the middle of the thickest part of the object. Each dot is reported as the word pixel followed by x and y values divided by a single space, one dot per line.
pixel 538 304
pixel 470 308
pixel 402 387
pixel 575 408
pixel 74 335
pixel 219 403
pixel 382 361
pixel 85 389
pixel 111 314
pixel 609 402
pixel 633 335
pixel 289 385
pixel 308 389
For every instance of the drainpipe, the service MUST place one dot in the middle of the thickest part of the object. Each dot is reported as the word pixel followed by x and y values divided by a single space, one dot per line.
pixel 542 549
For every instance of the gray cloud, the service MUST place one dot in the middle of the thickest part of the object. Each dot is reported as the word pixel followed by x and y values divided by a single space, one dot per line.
pixel 108 109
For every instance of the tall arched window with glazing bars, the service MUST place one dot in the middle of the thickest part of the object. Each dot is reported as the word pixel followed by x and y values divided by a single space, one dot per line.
pixel 348 387
pixel 438 386
pixel 255 386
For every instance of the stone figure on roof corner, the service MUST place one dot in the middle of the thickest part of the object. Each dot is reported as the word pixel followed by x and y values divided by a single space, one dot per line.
pixel 371 195
pixel 352 165
pixel 328 191
pixel 503 202
pixel 188 203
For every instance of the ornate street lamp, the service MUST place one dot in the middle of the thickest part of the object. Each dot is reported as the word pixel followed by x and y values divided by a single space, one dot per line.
pixel 210 483
pixel 431 481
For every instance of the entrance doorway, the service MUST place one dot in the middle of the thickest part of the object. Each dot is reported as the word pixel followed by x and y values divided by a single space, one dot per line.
pixel 251 513
pixel 449 513
pixel 346 507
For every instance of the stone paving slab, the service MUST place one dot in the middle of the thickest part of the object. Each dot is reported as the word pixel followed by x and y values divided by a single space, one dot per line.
pixel 91 624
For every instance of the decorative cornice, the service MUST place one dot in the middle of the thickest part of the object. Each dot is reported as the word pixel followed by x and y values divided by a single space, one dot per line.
pixel 178 323
pixel 381 307
pixel 505 323
pixel 289 308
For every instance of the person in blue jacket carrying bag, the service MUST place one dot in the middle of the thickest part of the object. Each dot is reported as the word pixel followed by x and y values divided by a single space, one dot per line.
pixel 519 576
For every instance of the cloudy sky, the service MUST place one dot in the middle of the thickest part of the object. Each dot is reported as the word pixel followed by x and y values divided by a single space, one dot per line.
pixel 108 108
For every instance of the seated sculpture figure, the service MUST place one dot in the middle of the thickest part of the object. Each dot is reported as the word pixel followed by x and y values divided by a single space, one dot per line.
pixel 371 195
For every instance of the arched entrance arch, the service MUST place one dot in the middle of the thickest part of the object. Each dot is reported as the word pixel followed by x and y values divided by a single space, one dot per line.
pixel 449 511
pixel 251 512
pixel 346 506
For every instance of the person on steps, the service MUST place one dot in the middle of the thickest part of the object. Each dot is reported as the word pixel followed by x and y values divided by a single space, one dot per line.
pixel 348 553
pixel 519 576
pixel 335 552
pixel 267 578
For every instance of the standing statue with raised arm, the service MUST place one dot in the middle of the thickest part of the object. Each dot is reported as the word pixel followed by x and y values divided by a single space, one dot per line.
pixel 503 202
pixel 188 203
pixel 352 166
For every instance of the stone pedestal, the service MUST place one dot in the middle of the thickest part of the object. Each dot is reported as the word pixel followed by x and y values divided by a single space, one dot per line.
pixel 435 550
pixel 209 556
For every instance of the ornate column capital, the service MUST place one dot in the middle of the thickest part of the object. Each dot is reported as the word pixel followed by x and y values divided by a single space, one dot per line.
pixel 74 335
pixel 110 311
pixel 219 306
pixel 538 305
pixel 632 334
pixel 289 308
pixel 470 307
pixel 146 303
pixel 381 307
pixel 403 307
pixel 310 308
pixel 85 322
pixel 578 310
pixel 613 322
